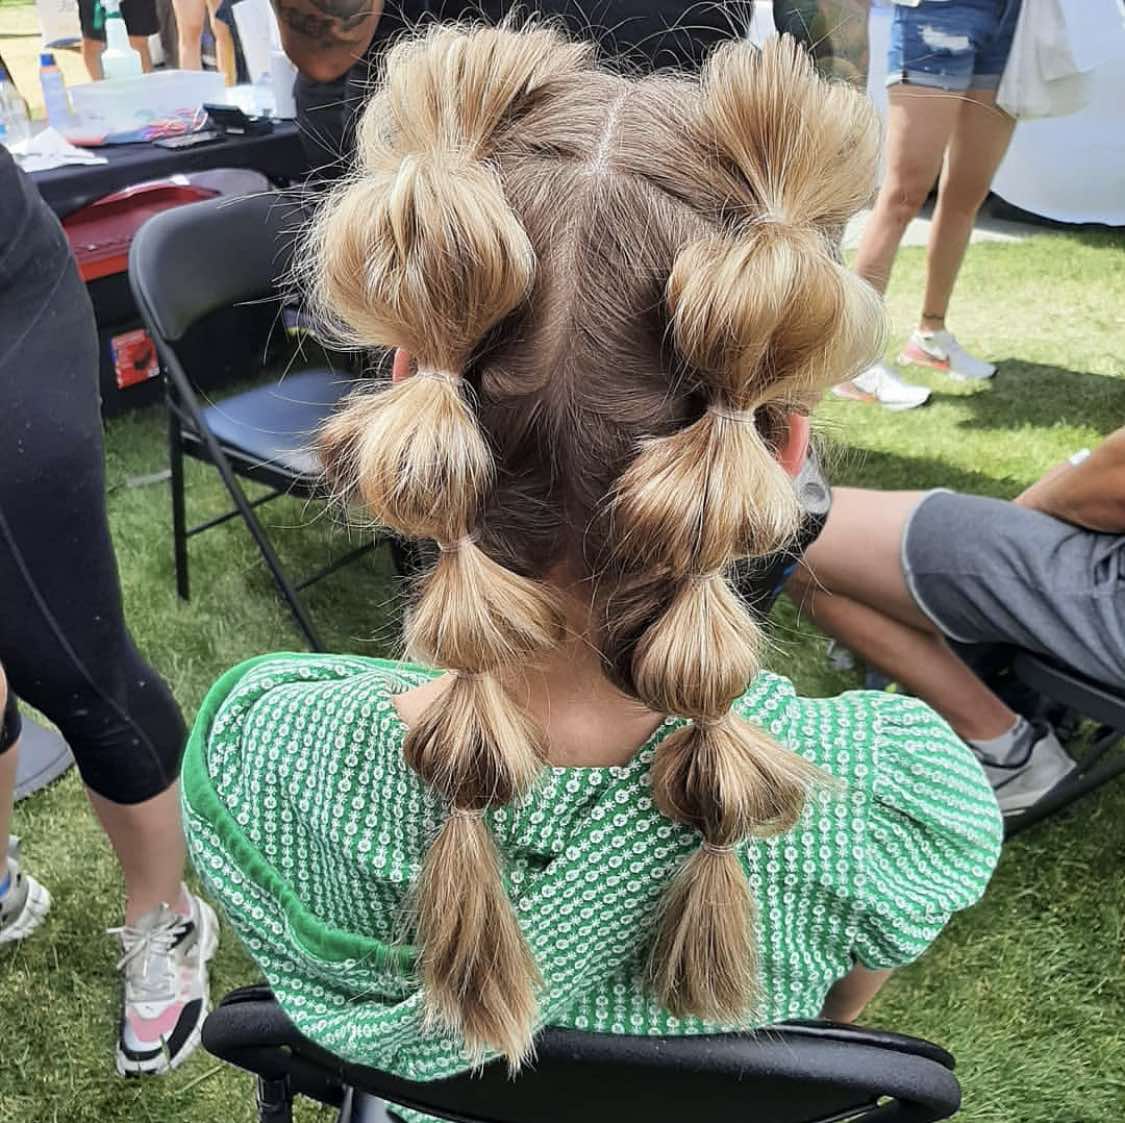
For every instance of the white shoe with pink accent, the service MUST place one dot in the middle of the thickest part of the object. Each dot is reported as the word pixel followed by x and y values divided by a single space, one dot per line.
pixel 164 964
pixel 940 350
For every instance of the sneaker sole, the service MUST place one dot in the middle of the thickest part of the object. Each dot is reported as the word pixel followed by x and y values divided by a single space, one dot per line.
pixel 870 399
pixel 909 358
pixel 161 1065
pixel 35 910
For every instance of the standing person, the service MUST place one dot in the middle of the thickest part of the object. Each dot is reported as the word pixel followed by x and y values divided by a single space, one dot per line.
pixel 64 646
pixel 943 68
pixel 190 15
pixel 614 302
pixel 141 21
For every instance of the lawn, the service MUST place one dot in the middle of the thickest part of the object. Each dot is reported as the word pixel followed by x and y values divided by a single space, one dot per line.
pixel 1028 989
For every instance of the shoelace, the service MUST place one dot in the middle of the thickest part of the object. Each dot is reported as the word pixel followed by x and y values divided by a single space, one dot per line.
pixel 143 949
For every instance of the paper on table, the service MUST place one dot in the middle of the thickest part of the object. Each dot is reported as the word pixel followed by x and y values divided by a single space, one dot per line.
pixel 50 149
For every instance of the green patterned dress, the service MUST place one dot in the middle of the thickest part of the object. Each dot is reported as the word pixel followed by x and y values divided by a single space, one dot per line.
pixel 307 826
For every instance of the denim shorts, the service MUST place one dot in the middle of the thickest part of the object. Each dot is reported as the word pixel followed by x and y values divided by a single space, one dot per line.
pixel 951 44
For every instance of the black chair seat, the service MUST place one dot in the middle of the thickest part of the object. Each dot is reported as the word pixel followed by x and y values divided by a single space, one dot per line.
pixel 275 424
pixel 800 1072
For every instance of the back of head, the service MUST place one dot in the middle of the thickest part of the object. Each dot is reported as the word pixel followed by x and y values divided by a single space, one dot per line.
pixel 615 291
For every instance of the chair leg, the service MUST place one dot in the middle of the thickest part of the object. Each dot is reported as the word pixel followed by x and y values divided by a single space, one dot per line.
pixel 284 585
pixel 179 519
pixel 274 1101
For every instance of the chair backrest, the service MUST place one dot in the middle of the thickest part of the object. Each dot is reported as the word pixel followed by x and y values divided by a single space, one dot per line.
pixel 794 1073
pixel 193 260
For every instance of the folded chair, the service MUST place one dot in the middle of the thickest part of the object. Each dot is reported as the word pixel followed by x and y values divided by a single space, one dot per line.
pixel 1095 701
pixel 186 265
pixel 799 1072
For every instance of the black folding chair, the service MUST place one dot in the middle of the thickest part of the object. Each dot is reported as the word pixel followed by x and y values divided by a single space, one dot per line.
pixel 1095 701
pixel 185 265
pixel 799 1072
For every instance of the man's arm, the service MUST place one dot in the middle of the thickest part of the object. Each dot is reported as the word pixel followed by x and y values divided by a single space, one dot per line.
pixel 1089 494
pixel 325 37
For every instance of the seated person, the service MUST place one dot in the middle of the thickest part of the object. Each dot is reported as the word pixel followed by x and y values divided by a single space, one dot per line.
pixel 895 575
pixel 614 302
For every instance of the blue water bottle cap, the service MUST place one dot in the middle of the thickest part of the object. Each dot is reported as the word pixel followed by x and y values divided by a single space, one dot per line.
pixel 46 58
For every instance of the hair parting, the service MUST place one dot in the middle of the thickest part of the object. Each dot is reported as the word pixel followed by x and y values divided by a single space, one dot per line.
pixel 602 365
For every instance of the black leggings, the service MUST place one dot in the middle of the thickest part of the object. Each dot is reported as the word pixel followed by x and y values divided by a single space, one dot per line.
pixel 63 641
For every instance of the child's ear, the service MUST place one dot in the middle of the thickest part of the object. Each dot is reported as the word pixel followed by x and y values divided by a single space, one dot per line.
pixel 793 450
pixel 404 363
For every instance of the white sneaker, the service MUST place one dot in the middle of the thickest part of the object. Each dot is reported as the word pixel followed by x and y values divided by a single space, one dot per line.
pixel 881 384
pixel 25 904
pixel 164 963
pixel 1044 767
pixel 941 351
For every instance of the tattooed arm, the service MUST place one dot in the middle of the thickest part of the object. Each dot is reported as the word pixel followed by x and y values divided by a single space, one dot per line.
pixel 325 37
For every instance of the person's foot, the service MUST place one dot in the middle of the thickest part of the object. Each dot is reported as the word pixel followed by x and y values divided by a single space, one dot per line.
pixel 941 351
pixel 1038 772
pixel 881 384
pixel 25 903
pixel 164 964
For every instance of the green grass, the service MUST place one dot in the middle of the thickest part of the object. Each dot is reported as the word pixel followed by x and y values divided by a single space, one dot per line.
pixel 1028 989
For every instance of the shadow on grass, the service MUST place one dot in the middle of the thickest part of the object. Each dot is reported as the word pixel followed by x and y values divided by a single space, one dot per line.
pixel 1038 395
pixel 889 471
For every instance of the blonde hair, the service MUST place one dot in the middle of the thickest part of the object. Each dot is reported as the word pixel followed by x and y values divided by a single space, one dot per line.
pixel 613 289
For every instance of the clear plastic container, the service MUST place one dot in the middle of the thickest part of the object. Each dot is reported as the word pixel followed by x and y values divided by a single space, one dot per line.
pixel 129 105
pixel 14 123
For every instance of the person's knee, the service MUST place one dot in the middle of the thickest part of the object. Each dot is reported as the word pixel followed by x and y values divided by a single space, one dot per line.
pixel 963 199
pixel 904 194
pixel 189 26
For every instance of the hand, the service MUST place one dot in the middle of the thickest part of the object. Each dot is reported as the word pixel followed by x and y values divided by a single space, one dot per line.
pixel 1033 497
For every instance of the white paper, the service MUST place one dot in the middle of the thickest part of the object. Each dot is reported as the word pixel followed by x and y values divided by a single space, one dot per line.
pixel 50 149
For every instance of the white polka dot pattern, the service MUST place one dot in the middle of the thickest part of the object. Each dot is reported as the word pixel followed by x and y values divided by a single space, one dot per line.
pixel 308 828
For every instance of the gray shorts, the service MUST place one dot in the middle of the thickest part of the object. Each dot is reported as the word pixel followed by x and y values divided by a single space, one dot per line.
pixel 987 571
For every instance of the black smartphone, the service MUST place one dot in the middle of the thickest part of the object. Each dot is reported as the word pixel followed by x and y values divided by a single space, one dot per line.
pixel 230 119
pixel 189 140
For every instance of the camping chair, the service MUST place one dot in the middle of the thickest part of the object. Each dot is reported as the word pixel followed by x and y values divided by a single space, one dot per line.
pixel 184 265
pixel 799 1072
pixel 1102 704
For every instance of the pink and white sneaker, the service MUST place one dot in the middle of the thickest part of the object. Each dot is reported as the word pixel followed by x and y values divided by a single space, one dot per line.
pixel 164 963
pixel 941 351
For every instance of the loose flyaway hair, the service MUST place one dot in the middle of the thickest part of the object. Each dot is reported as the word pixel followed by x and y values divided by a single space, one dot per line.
pixel 614 289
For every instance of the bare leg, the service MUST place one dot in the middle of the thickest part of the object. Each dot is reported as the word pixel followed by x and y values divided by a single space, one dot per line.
pixel 92 57
pixel 921 661
pixel 224 45
pixel 189 25
pixel 139 43
pixel 920 121
pixel 852 584
pixel 980 139
pixel 149 843
pixel 9 762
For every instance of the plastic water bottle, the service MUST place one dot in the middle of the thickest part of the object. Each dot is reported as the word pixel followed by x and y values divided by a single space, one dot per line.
pixel 14 125
pixel 119 60
pixel 54 92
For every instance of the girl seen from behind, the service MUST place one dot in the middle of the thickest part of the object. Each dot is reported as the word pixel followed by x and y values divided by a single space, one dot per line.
pixel 614 303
